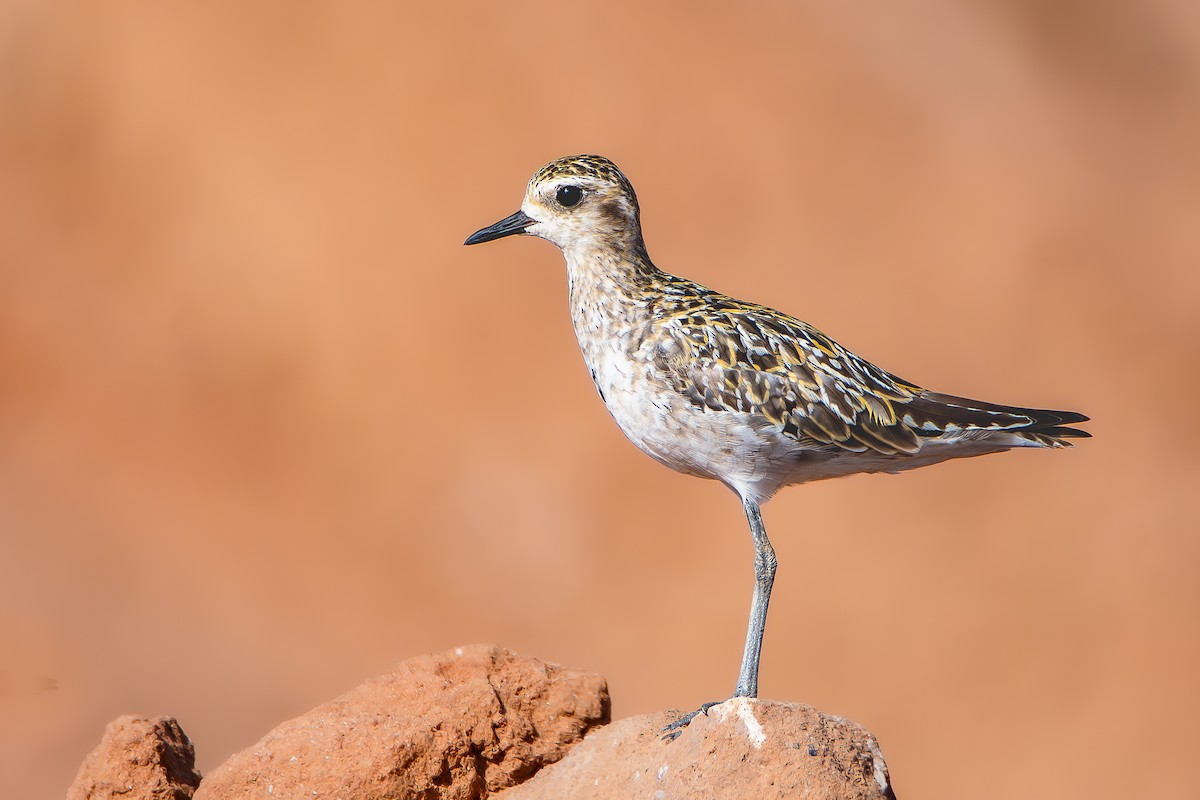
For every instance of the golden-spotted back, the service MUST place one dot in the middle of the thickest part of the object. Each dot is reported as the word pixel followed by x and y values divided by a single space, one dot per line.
pixel 747 358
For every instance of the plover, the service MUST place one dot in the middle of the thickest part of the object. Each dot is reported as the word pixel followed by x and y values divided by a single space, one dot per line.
pixel 735 391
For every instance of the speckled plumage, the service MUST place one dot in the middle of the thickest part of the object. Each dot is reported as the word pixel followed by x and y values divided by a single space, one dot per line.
pixel 735 391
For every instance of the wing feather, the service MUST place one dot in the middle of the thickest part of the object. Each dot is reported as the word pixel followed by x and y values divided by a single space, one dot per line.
pixel 745 358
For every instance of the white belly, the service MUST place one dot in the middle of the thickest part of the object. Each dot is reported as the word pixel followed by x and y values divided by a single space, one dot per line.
pixel 672 430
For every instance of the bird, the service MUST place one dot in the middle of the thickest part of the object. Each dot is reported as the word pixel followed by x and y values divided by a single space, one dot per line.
pixel 734 391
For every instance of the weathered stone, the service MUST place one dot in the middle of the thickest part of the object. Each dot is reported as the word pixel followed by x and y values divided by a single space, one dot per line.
pixel 456 725
pixel 740 749
pixel 137 759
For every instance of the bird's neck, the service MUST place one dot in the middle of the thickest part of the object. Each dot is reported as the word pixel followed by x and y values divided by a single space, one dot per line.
pixel 610 276
pixel 611 292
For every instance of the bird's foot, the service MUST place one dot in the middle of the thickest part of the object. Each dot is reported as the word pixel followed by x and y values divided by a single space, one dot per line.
pixel 671 732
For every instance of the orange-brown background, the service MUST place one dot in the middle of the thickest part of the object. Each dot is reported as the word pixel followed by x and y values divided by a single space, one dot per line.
pixel 267 428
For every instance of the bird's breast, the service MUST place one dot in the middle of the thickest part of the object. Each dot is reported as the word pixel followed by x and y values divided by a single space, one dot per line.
pixel 636 365
pixel 635 374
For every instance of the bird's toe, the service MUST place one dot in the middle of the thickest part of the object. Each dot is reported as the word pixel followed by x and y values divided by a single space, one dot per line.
pixel 671 732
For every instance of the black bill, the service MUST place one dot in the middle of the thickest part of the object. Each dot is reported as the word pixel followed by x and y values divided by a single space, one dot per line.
pixel 517 223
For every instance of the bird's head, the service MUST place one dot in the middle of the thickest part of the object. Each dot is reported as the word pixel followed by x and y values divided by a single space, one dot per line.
pixel 576 202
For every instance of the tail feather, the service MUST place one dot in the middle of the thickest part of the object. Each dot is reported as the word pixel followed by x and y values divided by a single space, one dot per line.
pixel 1064 433
pixel 935 413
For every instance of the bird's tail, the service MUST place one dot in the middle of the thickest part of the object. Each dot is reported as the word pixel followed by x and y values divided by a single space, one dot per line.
pixel 937 414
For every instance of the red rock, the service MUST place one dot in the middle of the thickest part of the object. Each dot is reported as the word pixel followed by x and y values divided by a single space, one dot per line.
pixel 741 749
pixel 138 758
pixel 455 725
pixel 482 722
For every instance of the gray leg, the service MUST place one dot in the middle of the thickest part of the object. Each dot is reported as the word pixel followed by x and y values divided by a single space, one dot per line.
pixel 764 576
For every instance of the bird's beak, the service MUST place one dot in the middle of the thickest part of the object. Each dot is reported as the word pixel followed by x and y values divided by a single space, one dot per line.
pixel 517 223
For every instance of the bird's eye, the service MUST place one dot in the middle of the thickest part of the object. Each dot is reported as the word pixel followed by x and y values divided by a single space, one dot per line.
pixel 568 195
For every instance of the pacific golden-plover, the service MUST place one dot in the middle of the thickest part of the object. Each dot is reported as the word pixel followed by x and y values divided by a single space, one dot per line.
pixel 734 391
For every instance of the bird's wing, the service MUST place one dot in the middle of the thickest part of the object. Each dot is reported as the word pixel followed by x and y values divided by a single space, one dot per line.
pixel 741 357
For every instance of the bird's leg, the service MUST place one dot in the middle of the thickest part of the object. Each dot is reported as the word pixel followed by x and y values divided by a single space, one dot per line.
pixel 764 577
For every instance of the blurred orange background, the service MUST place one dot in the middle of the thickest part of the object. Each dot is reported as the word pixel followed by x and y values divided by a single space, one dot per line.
pixel 267 428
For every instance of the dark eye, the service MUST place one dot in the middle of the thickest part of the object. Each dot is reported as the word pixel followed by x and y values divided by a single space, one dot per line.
pixel 569 195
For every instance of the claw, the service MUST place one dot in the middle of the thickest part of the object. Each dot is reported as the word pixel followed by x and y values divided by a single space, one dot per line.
pixel 671 732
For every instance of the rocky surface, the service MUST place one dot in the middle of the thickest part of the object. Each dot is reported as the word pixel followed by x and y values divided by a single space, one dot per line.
pixel 740 749
pixel 479 722
pixel 138 758
pixel 459 724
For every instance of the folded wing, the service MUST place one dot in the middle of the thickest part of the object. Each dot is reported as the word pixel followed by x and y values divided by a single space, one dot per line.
pixel 751 360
